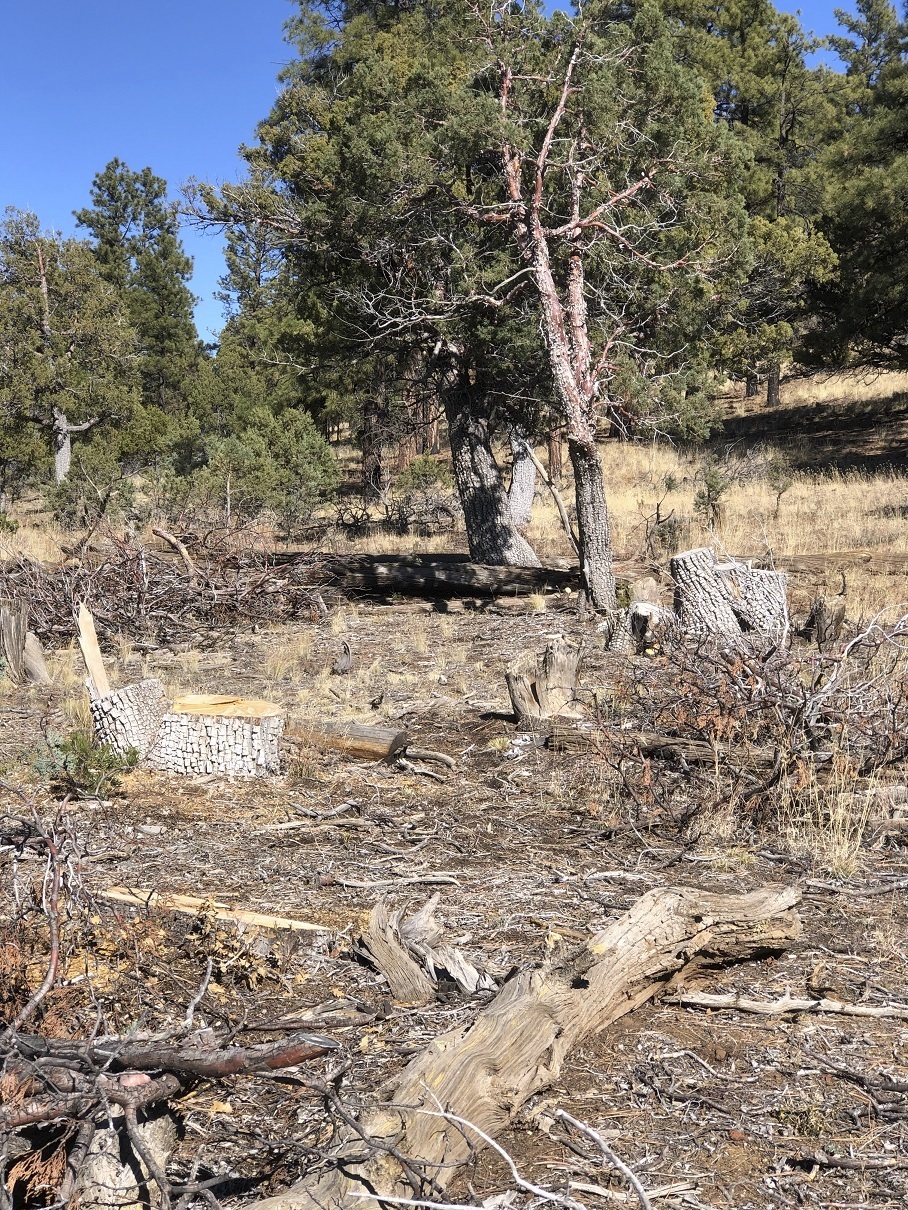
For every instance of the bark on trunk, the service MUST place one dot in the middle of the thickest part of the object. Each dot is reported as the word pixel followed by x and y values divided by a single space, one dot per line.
pixel 593 526
pixel 556 456
pixel 63 446
pixel 372 467
pixel 773 386
pixel 727 599
pixel 491 533
pixel 484 1072
pixel 523 480
pixel 751 386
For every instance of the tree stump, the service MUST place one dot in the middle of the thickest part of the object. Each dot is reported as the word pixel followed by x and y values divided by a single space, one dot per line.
pixel 20 648
pixel 210 733
pixel 544 686
pixel 727 600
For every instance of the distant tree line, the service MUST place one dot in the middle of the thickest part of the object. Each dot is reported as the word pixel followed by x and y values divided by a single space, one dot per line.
pixel 494 223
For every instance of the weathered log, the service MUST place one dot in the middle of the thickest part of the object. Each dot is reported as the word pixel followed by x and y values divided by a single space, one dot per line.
pixel 485 1071
pixel 91 654
pixel 443 576
pixel 544 686
pixel 727 600
pixel 151 900
pixel 114 1175
pixel 748 757
pixel 353 739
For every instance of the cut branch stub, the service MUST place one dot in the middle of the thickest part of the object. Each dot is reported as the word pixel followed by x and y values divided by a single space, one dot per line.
pixel 727 600
pixel 486 1070
pixel 544 686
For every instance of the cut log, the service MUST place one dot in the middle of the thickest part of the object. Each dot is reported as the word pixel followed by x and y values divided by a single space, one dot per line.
pixel 544 686
pixel 485 1071
pixel 91 653
pixel 353 739
pixel 727 600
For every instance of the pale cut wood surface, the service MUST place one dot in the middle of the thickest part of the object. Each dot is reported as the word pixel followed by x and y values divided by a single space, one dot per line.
pixel 91 652
pixel 485 1071
pixel 161 901
pixel 224 705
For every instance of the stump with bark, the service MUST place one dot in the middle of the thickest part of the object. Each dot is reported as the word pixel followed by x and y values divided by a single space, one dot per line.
pixel 728 600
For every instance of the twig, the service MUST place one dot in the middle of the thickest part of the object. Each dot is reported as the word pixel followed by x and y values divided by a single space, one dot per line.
pixel 197 998
pixel 898 884
pixel 613 1159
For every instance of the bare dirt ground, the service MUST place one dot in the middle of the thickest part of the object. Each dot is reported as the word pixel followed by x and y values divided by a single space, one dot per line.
pixel 531 850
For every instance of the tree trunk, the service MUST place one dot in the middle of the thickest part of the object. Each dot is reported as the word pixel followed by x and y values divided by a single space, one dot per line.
pixel 63 446
pixel 372 466
pixel 751 386
pixel 491 533
pixel 556 455
pixel 773 386
pixel 523 480
pixel 593 526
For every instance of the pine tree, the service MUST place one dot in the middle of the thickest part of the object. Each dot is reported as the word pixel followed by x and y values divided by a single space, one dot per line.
pixel 137 243
pixel 67 348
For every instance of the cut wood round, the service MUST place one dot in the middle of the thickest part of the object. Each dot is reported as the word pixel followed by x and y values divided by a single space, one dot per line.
pixel 727 600
pixel 216 733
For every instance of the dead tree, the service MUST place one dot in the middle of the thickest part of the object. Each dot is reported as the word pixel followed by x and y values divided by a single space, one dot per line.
pixel 477 1077
pixel 20 648
pixel 544 686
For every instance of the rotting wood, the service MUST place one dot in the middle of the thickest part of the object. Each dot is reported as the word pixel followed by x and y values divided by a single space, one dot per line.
pixel 152 900
pixel 381 945
pixel 544 686
pixel 485 1072
pixel 355 740
pixel 441 575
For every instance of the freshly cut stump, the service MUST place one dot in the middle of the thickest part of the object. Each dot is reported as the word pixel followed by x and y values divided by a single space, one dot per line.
pixel 199 733
pixel 211 733
pixel 483 1072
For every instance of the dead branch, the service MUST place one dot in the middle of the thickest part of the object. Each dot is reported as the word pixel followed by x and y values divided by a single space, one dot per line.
pixel 789 1004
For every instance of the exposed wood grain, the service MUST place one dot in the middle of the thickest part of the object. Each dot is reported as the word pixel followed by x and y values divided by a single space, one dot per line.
pixel 91 653
pixel 485 1071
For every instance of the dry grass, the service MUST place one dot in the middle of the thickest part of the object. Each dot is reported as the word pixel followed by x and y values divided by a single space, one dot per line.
pixel 826 822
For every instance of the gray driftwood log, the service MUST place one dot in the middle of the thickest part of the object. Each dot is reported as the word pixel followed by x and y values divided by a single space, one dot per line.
pixel 485 1071
pixel 727 600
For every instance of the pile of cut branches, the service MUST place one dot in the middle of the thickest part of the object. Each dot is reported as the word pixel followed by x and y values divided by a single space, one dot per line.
pixel 142 593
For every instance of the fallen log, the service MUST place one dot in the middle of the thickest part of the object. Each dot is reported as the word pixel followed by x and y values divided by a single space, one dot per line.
pixel 484 1072
pixel 443 575
pixel 604 741
pixel 353 739
pixel 152 900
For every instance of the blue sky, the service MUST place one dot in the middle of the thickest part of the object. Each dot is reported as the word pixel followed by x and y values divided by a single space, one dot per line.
pixel 177 86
